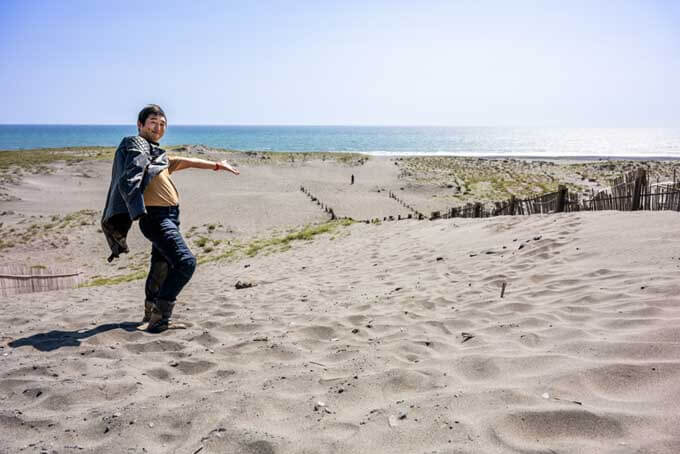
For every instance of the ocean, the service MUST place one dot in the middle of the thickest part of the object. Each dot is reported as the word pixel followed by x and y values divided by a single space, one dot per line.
pixel 375 140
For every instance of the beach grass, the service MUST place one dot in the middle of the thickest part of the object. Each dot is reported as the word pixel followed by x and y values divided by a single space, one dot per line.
pixel 256 157
pixel 234 250
pixel 489 180
pixel 37 158
pixel 114 280
pixel 306 234
pixel 48 230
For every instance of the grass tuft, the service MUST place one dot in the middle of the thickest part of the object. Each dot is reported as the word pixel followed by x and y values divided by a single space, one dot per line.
pixel 115 279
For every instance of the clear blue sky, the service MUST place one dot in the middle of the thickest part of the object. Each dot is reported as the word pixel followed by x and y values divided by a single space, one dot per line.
pixel 461 63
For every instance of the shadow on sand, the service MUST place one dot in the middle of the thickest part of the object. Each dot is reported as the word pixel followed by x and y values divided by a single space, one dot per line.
pixel 54 340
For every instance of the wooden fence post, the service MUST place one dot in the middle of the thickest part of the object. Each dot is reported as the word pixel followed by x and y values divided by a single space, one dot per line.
pixel 478 210
pixel 640 182
pixel 562 195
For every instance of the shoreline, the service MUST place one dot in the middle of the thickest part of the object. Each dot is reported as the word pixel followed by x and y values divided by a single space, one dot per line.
pixel 378 154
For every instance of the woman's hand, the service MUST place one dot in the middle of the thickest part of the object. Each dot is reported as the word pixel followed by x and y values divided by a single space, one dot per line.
pixel 224 165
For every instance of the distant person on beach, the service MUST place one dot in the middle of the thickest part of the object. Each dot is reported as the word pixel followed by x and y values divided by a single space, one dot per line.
pixel 141 189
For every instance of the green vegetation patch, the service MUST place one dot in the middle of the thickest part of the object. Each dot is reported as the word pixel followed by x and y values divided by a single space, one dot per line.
pixel 120 279
pixel 467 180
pixel 222 250
pixel 50 229
pixel 476 179
pixel 348 159
pixel 605 172
pixel 39 158
pixel 306 234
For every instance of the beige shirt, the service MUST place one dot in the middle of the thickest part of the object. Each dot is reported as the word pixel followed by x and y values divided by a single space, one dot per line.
pixel 161 191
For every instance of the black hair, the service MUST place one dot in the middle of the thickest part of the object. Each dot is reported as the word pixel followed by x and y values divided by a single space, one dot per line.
pixel 151 109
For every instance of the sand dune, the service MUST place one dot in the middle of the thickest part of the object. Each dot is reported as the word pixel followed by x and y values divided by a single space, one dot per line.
pixel 380 338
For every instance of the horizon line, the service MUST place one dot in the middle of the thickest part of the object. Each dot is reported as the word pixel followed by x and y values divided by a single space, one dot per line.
pixel 350 125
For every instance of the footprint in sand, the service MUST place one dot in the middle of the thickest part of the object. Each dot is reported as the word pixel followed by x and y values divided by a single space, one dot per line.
pixel 320 332
pixel 206 339
pixel 194 367
pixel 157 345
pixel 259 447
pixel 159 373
pixel 527 427
pixel 478 368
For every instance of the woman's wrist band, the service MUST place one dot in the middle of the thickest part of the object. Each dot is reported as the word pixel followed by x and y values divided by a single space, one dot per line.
pixel 217 166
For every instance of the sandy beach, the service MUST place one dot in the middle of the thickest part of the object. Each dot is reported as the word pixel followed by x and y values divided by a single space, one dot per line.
pixel 379 337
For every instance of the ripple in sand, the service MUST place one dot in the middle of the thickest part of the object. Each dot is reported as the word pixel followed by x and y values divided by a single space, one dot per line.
pixel 158 345
pixel 224 373
pixel 158 373
pixel 320 332
pixel 20 423
pixel 556 424
pixel 205 339
pixel 238 327
pixel 670 334
pixel 621 350
pixel 635 382
pixel 477 368
pixel 530 340
pixel 194 367
pixel 398 381
pixel 259 447
pixel 512 308
pixel 58 402
pixel 29 371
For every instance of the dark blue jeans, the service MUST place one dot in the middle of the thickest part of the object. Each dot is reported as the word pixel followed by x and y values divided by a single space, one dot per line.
pixel 172 263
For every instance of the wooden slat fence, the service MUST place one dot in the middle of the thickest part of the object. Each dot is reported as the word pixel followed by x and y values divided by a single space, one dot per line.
pixel 327 209
pixel 633 191
pixel 553 202
pixel 18 279
pixel 630 192
pixel 665 196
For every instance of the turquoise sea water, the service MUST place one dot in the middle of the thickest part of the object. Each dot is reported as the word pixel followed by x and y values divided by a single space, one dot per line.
pixel 378 140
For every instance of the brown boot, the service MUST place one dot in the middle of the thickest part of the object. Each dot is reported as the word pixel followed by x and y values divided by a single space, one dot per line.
pixel 148 308
pixel 160 317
